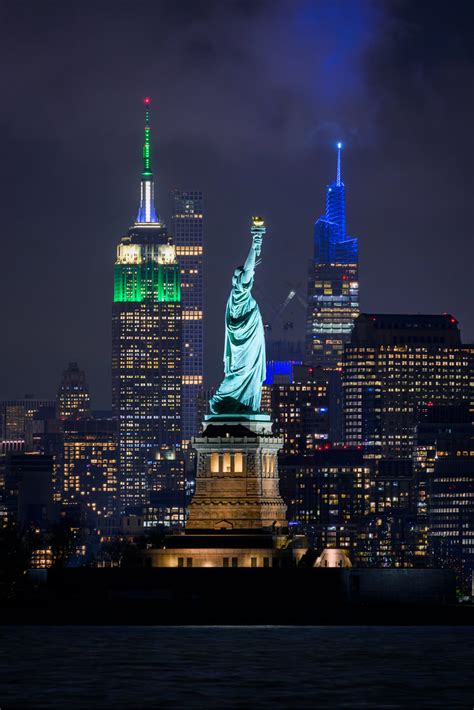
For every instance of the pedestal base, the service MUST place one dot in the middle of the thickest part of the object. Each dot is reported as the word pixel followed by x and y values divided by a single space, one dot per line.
pixel 237 475
pixel 245 548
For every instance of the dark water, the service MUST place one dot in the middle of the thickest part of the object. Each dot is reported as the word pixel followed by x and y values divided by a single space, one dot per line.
pixel 237 667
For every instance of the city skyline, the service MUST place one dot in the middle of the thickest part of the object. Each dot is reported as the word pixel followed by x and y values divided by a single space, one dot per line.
pixel 401 199
pixel 147 213
pixel 237 381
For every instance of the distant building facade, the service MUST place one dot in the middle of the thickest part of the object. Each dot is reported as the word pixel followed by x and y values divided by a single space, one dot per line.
pixel 15 414
pixel 73 394
pixel 396 367
pixel 300 409
pixel 28 493
pixel 328 494
pixel 392 534
pixel 44 435
pixel 187 228
pixel 91 468
pixel 448 437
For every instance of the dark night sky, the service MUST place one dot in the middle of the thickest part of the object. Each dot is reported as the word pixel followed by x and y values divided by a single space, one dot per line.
pixel 248 98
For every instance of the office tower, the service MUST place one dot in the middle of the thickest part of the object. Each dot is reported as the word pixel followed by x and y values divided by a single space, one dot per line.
pixel 146 348
pixel 300 408
pixel 444 428
pixel 395 367
pixel 333 284
pixel 73 394
pixel 328 492
pixel 15 413
pixel 451 514
pixel 187 227
pixel 91 468
pixel 445 461
pixel 391 534
pixel 29 490
pixel 441 427
pixel 44 434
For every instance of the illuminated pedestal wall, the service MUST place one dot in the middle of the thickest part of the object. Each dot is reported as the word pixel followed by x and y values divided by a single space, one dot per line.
pixel 228 549
pixel 237 517
pixel 237 485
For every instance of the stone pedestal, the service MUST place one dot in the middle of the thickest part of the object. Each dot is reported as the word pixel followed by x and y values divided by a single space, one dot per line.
pixel 237 476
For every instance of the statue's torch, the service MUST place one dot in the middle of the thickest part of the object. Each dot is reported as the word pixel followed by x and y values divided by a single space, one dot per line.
pixel 257 231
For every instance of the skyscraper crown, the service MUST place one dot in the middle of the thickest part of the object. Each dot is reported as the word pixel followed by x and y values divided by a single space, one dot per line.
pixel 336 200
pixel 331 243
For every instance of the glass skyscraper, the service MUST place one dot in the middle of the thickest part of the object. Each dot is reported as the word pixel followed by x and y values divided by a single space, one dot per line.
pixel 333 284
pixel 187 224
pixel 146 353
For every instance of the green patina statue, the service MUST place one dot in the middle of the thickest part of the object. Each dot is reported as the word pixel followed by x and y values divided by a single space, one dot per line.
pixel 240 392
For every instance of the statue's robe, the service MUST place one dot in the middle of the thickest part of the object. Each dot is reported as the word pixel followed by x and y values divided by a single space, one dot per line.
pixel 244 354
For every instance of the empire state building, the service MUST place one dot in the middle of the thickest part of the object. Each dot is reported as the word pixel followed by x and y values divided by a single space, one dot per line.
pixel 146 353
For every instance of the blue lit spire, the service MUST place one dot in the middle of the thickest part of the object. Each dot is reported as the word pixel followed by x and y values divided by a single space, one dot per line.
pixel 338 171
pixel 146 211
pixel 336 200
pixel 331 243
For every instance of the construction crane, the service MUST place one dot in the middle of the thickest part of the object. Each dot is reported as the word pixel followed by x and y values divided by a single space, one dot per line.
pixel 278 312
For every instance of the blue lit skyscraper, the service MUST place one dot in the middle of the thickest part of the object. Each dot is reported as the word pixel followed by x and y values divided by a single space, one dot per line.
pixel 333 285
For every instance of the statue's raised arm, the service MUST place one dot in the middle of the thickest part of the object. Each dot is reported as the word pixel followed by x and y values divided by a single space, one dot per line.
pixel 244 351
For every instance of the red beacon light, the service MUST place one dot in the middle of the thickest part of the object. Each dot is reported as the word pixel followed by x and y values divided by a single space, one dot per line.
pixel 147 100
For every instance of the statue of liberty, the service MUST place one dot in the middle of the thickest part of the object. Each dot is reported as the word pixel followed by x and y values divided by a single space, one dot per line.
pixel 240 392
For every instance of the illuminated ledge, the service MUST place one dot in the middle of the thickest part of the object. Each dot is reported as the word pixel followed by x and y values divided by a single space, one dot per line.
pixel 236 425
pixel 148 225
pixel 223 418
